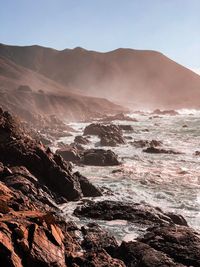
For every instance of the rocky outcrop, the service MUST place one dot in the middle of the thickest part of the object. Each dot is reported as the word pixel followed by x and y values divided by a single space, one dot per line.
pixel 19 149
pixel 100 157
pixel 134 212
pixel 93 157
pixel 110 135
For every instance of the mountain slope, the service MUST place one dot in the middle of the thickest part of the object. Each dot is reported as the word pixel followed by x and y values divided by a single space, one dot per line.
pixel 45 96
pixel 138 78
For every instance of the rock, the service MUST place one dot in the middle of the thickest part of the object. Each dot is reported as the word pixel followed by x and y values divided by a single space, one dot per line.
pixel 88 189
pixel 17 148
pixel 69 154
pixel 197 153
pixel 136 254
pixel 97 238
pixel 155 150
pixel 180 243
pixel 128 128
pixel 81 140
pixel 99 157
pixel 165 112
pixel 134 212
pixel 110 135
pixel 110 139
pixel 145 143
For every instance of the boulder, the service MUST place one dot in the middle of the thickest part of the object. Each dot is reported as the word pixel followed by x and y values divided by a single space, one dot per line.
pixel 99 157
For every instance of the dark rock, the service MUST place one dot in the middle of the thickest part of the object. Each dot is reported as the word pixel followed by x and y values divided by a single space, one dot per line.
pixel 88 189
pixel 99 157
pixel 19 149
pixel 180 243
pixel 155 150
pixel 69 153
pixel 110 135
pixel 134 212
pixel 165 112
pixel 128 128
pixel 145 143
pixel 81 140
pixel 135 254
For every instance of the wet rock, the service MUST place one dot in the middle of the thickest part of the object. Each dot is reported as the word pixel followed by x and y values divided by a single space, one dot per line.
pixel 97 238
pixel 127 128
pixel 69 153
pixel 136 254
pixel 134 212
pixel 110 139
pixel 155 150
pixel 19 149
pixel 81 140
pixel 197 153
pixel 180 243
pixel 110 135
pixel 165 112
pixel 145 143
pixel 99 157
pixel 88 189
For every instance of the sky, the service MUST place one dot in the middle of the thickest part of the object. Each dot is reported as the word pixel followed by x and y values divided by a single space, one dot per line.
pixel 169 26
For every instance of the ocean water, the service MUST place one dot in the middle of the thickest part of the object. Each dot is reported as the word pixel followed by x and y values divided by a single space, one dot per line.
pixel 171 182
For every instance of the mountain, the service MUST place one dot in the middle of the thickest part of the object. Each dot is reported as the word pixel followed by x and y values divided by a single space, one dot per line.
pixel 32 95
pixel 137 78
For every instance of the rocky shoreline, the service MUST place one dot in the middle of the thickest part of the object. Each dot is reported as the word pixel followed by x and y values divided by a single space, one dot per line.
pixel 33 232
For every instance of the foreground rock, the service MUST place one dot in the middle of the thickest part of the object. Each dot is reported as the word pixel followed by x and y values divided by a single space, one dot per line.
pixel 110 135
pixel 49 169
pixel 134 212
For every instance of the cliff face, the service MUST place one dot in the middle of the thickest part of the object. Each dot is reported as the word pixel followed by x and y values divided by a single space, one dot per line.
pixel 137 78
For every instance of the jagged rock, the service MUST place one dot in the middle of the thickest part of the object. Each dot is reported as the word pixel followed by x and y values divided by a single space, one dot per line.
pixel 110 135
pixel 180 243
pixel 19 149
pixel 135 254
pixel 134 212
pixel 88 189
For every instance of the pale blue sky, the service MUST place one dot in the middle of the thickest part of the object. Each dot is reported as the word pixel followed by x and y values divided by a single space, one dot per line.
pixel 169 26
